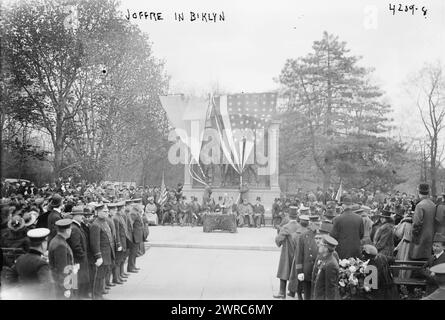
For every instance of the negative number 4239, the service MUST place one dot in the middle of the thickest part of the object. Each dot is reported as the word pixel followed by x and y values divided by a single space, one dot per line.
pixel 406 8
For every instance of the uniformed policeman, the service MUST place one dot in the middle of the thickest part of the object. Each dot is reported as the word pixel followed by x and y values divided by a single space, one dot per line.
pixel 306 255
pixel 31 270
pixel 120 241
pixel 326 279
pixel 439 273
pixel 61 260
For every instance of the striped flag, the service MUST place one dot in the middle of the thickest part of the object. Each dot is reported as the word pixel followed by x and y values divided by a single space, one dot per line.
pixel 163 196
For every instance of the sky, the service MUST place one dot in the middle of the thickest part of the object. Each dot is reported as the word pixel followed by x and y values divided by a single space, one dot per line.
pixel 247 51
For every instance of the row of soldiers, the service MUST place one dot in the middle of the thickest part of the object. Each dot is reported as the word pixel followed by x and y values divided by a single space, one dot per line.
pixel 82 253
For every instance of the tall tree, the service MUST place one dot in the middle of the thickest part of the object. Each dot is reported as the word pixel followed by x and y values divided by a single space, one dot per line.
pixel 335 113
pixel 428 89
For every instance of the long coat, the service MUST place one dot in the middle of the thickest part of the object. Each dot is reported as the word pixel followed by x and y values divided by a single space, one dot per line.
pixel 384 239
pixel 78 243
pixel 348 230
pixel 306 254
pixel 326 280
pixel 101 241
pixel 285 241
pixel 423 230
pixel 293 280
pixel 121 233
pixel 137 227
pixel 60 256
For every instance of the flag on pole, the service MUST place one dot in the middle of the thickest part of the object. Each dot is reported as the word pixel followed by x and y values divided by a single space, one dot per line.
pixel 339 193
pixel 163 196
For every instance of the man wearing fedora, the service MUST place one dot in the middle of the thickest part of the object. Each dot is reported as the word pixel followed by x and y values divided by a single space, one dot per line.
pixel 436 258
pixel 423 225
pixel 384 236
pixel 258 212
pixel 285 240
pixel 348 230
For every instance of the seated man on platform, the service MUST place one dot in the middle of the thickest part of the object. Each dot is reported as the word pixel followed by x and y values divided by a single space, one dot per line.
pixel 258 213
pixel 150 211
pixel 228 202
pixel 183 212
pixel 244 211
pixel 195 211
pixel 170 211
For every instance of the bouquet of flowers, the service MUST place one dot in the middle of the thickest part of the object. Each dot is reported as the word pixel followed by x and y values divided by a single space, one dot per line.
pixel 351 277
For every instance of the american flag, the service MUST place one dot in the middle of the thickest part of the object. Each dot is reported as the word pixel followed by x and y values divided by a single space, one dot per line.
pixel 239 112
pixel 163 196
pixel 248 110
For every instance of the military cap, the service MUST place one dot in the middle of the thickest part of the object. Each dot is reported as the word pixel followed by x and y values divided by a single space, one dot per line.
pixel 139 200
pixel 37 235
pixel 304 209
pixel 438 237
pixel 438 269
pixel 78 210
pixel 64 223
pixel 314 218
pixel 370 249
pixel 329 241
pixel 304 217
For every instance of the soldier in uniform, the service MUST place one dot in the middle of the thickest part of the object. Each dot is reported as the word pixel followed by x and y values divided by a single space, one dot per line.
pixel 121 242
pixel 326 278
pixel 137 237
pixel 109 220
pixel 102 248
pixel 306 255
pixel 61 260
pixel 31 270
pixel 439 273
pixel 78 243
pixel 285 240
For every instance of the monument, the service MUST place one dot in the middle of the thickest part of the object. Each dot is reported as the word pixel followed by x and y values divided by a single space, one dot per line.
pixel 228 143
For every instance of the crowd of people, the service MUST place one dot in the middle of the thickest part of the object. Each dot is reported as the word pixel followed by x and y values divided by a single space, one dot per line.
pixel 77 241
pixel 315 237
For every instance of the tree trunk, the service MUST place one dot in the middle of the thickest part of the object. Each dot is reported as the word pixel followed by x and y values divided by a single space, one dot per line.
pixel 57 164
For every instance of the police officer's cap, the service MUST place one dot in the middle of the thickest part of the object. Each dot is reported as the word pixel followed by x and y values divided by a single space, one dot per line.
pixel 78 210
pixel 314 218
pixel 304 217
pixel 329 241
pixel 37 235
pixel 64 223
pixel 139 200
pixel 326 227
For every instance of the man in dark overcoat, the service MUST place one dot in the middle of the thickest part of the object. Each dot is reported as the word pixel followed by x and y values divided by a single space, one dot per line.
pixel 326 279
pixel 54 214
pixel 285 241
pixel 61 260
pixel 121 242
pixel 78 243
pixel 137 237
pixel 423 225
pixel 102 248
pixel 348 230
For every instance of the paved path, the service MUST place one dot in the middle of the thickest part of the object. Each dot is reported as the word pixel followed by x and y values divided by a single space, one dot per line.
pixel 171 273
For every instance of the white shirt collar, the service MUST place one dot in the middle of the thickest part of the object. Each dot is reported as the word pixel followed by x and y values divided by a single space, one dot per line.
pixel 439 254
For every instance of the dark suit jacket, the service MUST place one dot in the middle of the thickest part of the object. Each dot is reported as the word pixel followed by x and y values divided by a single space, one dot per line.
pixel 348 230
pixel 53 217
pixel 78 244
pixel 306 254
pixel 60 255
pixel 100 243
pixel 431 281
pixel 119 224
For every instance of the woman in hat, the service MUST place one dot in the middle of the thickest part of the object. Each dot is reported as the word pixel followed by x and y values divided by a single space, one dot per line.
pixel 384 236
pixel 16 237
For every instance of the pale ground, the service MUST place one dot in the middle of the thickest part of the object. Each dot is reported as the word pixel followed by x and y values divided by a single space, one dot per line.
pixel 180 265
